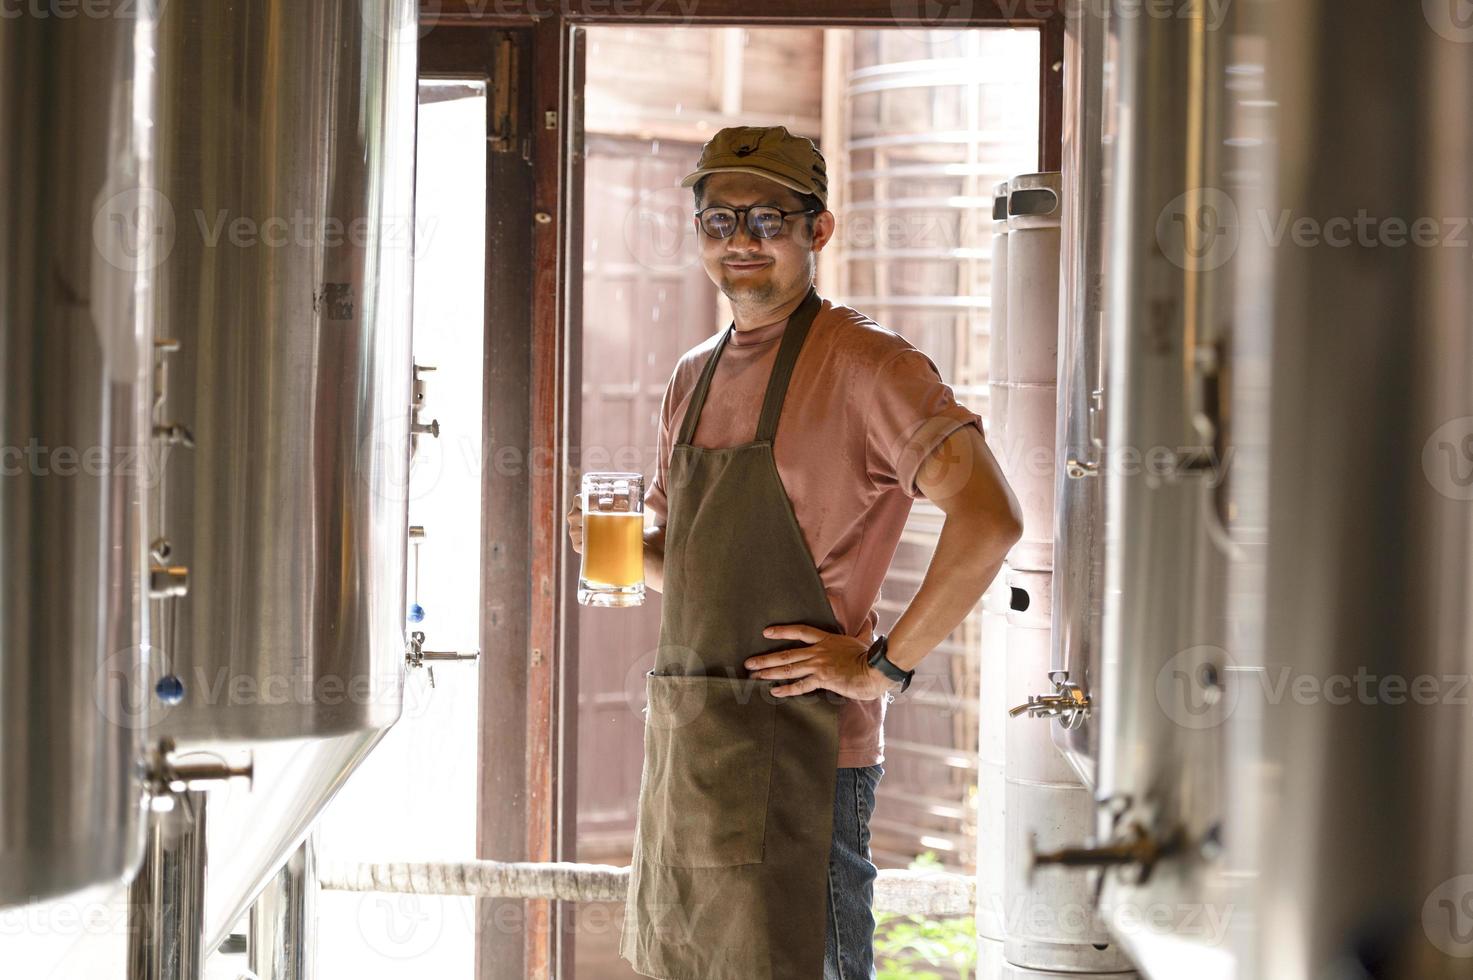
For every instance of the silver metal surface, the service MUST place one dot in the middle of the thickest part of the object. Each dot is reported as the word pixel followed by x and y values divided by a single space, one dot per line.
pixel 75 245
pixel 1163 699
pixel 1032 360
pixel 1366 854
pixel 286 149
pixel 1051 922
pixel 254 830
pixel 166 900
pixel 281 943
pixel 992 760
pixel 1079 494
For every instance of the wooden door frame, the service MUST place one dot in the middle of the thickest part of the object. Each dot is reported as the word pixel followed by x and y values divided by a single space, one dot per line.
pixel 527 802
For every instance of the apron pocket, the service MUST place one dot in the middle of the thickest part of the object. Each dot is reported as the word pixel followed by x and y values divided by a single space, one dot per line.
pixel 708 763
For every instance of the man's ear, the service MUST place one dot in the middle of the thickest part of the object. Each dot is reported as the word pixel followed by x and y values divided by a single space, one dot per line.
pixel 823 229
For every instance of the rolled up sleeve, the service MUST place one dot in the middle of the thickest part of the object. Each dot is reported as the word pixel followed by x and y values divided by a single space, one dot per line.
pixel 911 412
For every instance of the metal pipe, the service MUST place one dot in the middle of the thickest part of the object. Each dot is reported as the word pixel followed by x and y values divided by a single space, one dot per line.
pixel 281 944
pixel 936 894
pixel 1079 497
pixel 166 902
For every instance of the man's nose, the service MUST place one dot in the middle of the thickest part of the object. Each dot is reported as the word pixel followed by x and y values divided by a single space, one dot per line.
pixel 742 240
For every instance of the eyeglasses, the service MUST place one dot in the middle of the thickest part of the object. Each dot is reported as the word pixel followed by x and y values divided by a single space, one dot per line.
pixel 763 220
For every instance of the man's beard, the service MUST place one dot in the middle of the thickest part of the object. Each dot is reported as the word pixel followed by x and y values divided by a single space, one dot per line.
pixel 749 292
pixel 764 292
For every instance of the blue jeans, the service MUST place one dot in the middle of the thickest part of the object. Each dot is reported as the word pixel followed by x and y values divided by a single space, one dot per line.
pixel 849 952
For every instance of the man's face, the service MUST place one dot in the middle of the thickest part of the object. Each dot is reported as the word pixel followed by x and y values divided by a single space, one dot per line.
pixel 760 271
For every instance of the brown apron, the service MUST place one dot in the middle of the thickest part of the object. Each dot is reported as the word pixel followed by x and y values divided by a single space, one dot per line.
pixel 730 873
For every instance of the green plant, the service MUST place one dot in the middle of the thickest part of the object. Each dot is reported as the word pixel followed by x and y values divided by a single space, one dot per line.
pixel 905 945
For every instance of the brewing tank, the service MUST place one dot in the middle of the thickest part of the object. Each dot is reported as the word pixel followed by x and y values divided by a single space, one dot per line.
pixel 75 249
pixel 286 154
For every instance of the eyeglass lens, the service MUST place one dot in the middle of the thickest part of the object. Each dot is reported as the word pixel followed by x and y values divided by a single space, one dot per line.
pixel 762 222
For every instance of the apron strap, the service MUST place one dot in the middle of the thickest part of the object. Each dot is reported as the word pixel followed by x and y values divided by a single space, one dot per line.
pixel 777 383
pixel 698 399
pixel 782 370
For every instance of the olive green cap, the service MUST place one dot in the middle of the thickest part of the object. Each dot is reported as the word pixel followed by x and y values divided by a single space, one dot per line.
pixel 767 151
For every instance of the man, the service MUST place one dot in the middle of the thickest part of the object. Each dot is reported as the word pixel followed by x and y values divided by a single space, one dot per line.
pixel 769 542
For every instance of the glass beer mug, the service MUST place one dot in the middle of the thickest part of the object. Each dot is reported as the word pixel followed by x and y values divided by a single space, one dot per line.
pixel 613 540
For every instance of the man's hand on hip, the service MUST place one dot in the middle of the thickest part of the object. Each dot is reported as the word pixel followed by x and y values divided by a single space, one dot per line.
pixel 832 661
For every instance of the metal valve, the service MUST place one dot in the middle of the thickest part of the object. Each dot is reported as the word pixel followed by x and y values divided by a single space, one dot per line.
pixel 1069 703
pixel 168 582
pixel 1078 469
pixel 1135 847
pixel 417 405
pixel 416 655
pixel 169 772
pixel 171 433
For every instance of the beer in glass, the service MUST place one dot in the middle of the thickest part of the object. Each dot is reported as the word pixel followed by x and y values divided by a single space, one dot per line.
pixel 613 540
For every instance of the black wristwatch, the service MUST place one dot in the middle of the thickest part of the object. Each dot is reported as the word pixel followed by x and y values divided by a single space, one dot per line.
pixel 876 657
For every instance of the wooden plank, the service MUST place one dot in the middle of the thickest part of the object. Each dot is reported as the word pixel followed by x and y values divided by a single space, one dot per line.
pixel 1051 95
pixel 818 13
pixel 550 731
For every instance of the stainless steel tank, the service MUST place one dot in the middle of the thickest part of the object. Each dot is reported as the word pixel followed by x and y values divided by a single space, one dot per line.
pixel 1366 863
pixel 286 150
pixel 286 147
pixel 76 245
pixel 1168 669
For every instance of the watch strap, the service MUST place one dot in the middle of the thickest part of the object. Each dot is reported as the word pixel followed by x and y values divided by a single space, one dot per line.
pixel 878 658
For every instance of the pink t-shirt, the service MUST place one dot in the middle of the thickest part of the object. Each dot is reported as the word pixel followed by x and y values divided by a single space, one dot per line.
pixel 863 409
